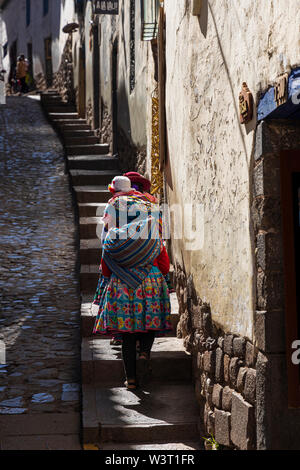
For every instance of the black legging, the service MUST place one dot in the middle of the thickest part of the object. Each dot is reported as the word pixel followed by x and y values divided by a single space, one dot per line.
pixel 129 350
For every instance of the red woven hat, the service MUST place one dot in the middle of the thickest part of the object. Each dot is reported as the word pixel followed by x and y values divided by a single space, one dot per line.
pixel 137 178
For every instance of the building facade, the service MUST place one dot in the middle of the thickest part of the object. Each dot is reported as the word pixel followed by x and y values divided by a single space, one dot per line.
pixel 202 97
pixel 215 84
pixel 34 28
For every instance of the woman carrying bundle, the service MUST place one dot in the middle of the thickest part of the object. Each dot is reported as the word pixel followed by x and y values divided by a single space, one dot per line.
pixel 134 299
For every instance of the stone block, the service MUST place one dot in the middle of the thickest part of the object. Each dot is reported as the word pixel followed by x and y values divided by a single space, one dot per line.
pixel 266 213
pixel 222 427
pixel 266 141
pixel 258 180
pixel 250 354
pixel 270 331
pixel 266 177
pixel 239 346
pixel 219 374
pixel 269 251
pixel 221 342
pixel 270 290
pixel 234 367
pixel 241 379
pixel 208 392
pixel 199 361
pixel 217 396
pixel 228 344
pixel 206 320
pixel 211 423
pixel 226 398
pixel 209 362
pixel 250 386
pixel 196 317
pixel 198 390
pixel 226 367
pixel 242 423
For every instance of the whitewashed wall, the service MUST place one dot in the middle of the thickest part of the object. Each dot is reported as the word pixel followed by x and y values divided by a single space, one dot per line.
pixel 208 58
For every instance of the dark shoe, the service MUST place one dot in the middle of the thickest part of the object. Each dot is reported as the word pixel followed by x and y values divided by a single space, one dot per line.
pixel 115 342
pixel 131 384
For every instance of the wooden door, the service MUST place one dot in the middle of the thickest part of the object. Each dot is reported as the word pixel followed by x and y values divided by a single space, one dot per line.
pixel 290 202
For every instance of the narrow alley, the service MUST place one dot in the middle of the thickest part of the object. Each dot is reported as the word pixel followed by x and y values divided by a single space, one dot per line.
pixel 177 120
pixel 39 285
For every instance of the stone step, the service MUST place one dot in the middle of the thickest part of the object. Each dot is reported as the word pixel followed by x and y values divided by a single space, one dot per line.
pixel 93 162
pixel 90 252
pixel 92 209
pixel 92 194
pixel 157 446
pixel 90 227
pixel 63 116
pixel 50 96
pixel 88 315
pixel 53 102
pixel 160 413
pixel 86 140
pixel 77 134
pixel 96 149
pixel 56 108
pixel 89 275
pixel 101 363
pixel 64 123
pixel 92 177
pixel 78 125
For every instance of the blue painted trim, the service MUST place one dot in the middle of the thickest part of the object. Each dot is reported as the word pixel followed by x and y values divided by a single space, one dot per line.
pixel 267 108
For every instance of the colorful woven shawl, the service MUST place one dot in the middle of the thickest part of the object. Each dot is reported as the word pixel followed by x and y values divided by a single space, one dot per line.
pixel 129 251
pixel 127 207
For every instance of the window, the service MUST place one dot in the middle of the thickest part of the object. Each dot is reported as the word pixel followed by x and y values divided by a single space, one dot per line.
pixel 150 12
pixel 45 7
pixel 28 12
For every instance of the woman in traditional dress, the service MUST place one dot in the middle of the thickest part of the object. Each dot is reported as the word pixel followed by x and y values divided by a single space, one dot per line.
pixel 133 298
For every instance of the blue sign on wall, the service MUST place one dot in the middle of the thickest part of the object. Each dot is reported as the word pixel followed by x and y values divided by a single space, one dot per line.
pixel 268 108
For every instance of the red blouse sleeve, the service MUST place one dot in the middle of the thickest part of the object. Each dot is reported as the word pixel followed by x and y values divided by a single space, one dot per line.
pixel 105 270
pixel 163 262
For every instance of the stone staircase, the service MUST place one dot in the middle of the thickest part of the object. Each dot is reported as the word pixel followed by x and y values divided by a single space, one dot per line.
pixel 161 414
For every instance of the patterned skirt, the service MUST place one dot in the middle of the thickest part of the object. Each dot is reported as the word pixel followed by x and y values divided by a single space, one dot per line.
pixel 125 310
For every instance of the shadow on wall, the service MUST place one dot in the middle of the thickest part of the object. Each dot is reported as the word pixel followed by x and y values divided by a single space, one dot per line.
pixel 132 158
pixel 203 18
pixel 249 159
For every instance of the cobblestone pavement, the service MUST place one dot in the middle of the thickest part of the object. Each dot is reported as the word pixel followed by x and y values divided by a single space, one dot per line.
pixel 39 283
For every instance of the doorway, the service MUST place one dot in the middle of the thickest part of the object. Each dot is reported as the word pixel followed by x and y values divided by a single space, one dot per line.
pixel 48 62
pixel 13 61
pixel 81 82
pixel 275 219
pixel 115 97
pixel 30 68
pixel 290 189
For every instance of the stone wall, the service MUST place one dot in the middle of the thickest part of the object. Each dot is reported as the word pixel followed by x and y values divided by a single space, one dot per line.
pixel 224 370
